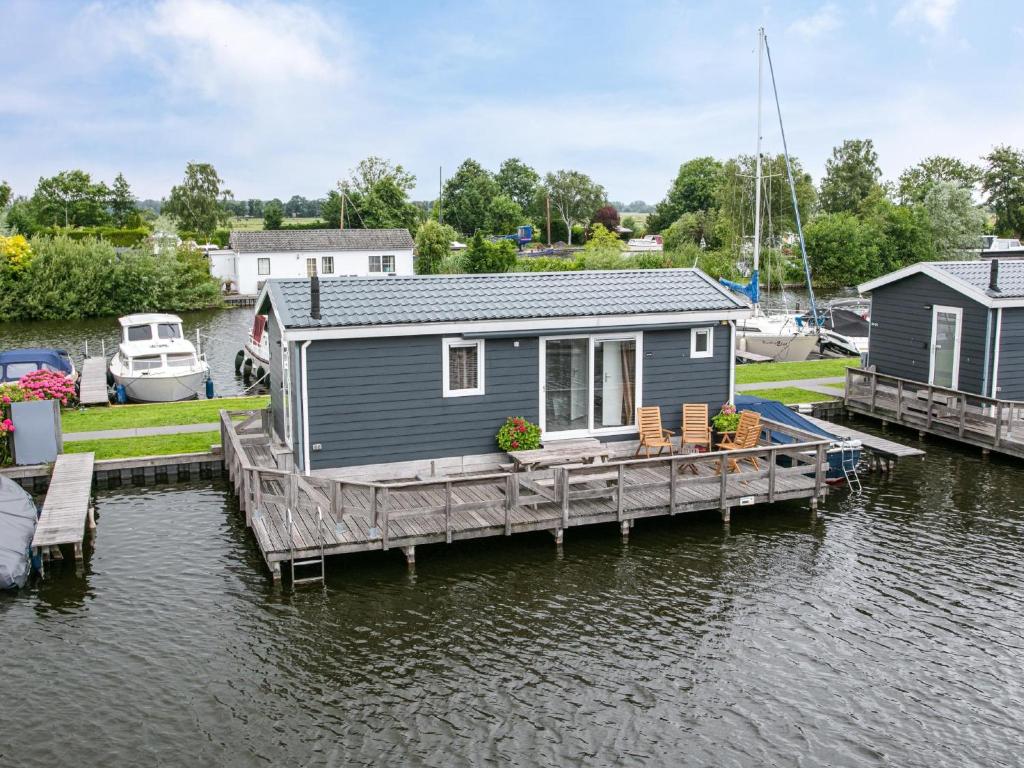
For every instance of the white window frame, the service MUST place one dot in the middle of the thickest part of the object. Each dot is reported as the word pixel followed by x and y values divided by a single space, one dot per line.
pixel 959 312
pixel 380 270
pixel 326 261
pixel 259 266
pixel 286 392
pixel 694 332
pixel 591 431
pixel 458 341
pixel 311 262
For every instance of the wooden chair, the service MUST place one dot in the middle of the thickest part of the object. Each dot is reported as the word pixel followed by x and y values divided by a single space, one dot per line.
pixel 648 419
pixel 747 434
pixel 695 427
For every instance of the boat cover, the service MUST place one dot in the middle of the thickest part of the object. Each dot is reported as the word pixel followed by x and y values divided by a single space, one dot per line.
pixel 57 359
pixel 17 526
pixel 776 411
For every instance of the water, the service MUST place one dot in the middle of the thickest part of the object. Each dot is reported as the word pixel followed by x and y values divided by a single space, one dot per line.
pixel 224 332
pixel 888 632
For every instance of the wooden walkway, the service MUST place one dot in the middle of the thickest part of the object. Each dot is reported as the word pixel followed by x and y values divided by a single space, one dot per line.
pixel 887 449
pixel 364 516
pixel 93 383
pixel 988 423
pixel 67 505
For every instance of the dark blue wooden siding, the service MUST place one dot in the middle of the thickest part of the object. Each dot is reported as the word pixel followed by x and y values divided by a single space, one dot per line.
pixel 379 400
pixel 1011 356
pixel 901 330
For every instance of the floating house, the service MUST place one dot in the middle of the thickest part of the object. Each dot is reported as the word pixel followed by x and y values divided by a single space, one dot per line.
pixel 385 370
pixel 255 257
pixel 957 325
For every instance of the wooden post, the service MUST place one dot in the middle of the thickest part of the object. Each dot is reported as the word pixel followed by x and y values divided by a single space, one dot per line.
pixel 374 506
pixel 963 412
pixel 293 491
pixel 448 511
pixel 257 483
pixel 772 457
pixel 511 500
pixel 335 499
pixel 386 528
pixel 723 471
pixel 930 394
pixel 564 483
pixel 620 493
pixel 672 469
pixel 819 473
pixel 410 555
pixel 874 390
pixel 999 422
pixel 899 399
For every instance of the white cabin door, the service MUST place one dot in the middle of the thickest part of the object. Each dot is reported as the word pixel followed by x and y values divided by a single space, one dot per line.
pixel 614 386
pixel 947 323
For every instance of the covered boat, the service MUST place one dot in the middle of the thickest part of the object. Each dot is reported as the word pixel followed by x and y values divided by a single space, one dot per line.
pixel 17 527
pixel 155 363
pixel 16 363
pixel 843 453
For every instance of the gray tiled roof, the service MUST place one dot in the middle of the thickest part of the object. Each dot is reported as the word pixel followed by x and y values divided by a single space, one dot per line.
pixel 976 274
pixel 350 301
pixel 273 240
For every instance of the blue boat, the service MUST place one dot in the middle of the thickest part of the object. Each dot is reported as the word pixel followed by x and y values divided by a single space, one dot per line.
pixel 16 363
pixel 843 453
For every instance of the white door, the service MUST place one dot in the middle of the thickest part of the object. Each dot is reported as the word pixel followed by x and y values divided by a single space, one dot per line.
pixel 944 367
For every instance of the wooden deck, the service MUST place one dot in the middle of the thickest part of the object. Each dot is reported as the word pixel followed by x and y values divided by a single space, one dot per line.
pixel 67 504
pixel 988 423
pixel 93 383
pixel 386 514
pixel 885 450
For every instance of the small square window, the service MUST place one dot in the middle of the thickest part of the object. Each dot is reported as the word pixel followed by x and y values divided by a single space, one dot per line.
pixel 702 342
pixel 327 265
pixel 382 264
pixel 263 265
pixel 463 364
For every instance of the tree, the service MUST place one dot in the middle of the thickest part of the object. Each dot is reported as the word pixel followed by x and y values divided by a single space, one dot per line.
pixel 385 206
pixel 574 196
pixel 467 196
pixel 484 257
pixel 902 232
pixel 373 169
pixel 842 249
pixel 70 199
pixel 1003 183
pixel 954 221
pixel 196 204
pixel 736 197
pixel 296 206
pixel 694 228
pixel 5 194
pixel 603 239
pixel 851 175
pixel 695 188
pixel 433 244
pixel 330 209
pixel 518 181
pixel 607 217
pixel 254 208
pixel 122 202
pixel 273 215
pixel 504 215
pixel 915 182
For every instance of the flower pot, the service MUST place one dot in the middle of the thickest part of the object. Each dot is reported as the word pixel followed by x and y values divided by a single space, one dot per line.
pixel 37 437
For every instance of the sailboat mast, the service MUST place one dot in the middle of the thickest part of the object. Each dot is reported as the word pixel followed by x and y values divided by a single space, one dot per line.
pixel 757 177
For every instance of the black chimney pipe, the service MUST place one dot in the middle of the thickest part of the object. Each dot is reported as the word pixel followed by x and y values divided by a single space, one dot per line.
pixel 314 297
pixel 993 276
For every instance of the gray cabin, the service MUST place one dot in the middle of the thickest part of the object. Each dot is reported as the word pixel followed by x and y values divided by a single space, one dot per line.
pixel 375 370
pixel 952 324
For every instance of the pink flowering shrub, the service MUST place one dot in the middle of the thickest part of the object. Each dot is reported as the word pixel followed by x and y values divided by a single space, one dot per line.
pixel 726 420
pixel 37 385
pixel 518 434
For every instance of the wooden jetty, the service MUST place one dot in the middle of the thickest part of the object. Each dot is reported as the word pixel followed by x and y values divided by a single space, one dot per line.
pixel 985 422
pixel 301 518
pixel 885 453
pixel 93 383
pixel 67 506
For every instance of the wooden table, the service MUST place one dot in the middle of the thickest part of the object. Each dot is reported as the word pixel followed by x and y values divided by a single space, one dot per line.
pixel 585 451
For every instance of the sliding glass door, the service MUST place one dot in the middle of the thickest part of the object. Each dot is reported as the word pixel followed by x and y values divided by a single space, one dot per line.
pixel 589 384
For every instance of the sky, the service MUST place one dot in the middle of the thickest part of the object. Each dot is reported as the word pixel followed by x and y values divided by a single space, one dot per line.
pixel 286 97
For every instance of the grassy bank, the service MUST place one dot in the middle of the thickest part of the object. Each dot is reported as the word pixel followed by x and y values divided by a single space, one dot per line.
pixel 157 415
pixel 791 395
pixel 757 373
pixel 157 445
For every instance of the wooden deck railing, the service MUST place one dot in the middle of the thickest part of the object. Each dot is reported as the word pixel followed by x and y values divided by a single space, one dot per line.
pixel 620 482
pixel 984 421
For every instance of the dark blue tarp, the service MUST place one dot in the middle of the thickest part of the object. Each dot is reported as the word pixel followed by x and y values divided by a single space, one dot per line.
pixel 776 411
pixel 55 359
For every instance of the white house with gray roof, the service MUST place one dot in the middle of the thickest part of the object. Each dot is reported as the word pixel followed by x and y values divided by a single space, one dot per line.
pixel 258 256
pixel 371 370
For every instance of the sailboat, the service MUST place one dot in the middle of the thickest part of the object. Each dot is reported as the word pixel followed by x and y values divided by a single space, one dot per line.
pixel 777 336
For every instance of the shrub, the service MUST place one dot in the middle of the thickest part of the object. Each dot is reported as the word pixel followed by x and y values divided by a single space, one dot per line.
pixel 518 434
pixel 726 420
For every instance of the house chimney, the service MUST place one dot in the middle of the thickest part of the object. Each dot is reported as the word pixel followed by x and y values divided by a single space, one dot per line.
pixel 993 276
pixel 314 297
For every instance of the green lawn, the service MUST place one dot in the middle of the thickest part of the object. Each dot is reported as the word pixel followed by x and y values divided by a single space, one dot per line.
pixel 253 224
pixel 790 395
pixel 756 373
pixel 158 415
pixel 158 445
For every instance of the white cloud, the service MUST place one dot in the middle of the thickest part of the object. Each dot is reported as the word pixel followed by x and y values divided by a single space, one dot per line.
pixel 934 13
pixel 824 20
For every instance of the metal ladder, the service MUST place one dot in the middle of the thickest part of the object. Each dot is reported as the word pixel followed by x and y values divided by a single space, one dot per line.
pixel 849 465
pixel 311 561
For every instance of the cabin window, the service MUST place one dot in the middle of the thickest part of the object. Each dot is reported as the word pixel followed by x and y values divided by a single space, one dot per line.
pixel 140 333
pixel 382 264
pixel 311 267
pixel 702 342
pixel 146 363
pixel 16 370
pixel 327 265
pixel 168 331
pixel 181 361
pixel 463 367
pixel 263 265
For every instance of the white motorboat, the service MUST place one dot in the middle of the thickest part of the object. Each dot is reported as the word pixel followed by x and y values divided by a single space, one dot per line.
pixel 779 337
pixel 645 244
pixel 155 363
pixel 254 358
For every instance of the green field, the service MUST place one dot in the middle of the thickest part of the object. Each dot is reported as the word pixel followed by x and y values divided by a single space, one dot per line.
pixel 756 373
pixel 790 395
pixel 158 415
pixel 639 218
pixel 252 224
pixel 157 445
